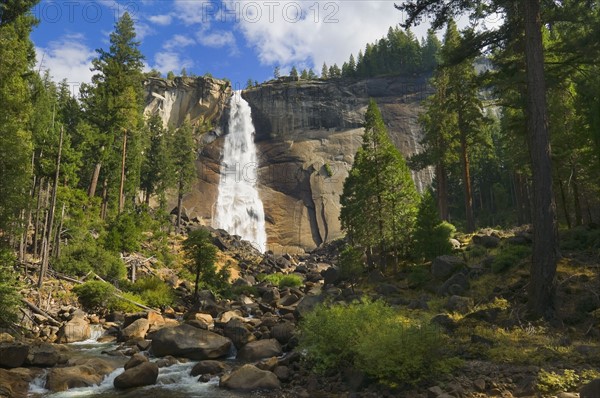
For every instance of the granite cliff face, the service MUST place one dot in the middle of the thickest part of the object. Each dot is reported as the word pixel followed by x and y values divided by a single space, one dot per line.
pixel 307 133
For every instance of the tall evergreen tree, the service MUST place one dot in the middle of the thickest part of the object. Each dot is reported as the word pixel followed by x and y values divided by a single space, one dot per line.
pixel 294 72
pixel 114 103
pixel 184 155
pixel 157 168
pixel 324 71
pixel 379 199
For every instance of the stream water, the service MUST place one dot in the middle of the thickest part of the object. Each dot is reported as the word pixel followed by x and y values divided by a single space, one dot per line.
pixel 239 209
pixel 173 381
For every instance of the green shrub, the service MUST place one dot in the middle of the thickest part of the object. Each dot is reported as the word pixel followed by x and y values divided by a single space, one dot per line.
pixel 328 170
pixel 10 299
pixel 580 238
pixel 94 295
pixel 551 382
pixel 85 256
pixel 281 280
pixel 117 304
pixel 418 275
pixel 371 337
pixel 154 292
pixel 245 290
pixel 508 257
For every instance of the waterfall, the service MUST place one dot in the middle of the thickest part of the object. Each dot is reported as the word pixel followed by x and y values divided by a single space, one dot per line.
pixel 239 209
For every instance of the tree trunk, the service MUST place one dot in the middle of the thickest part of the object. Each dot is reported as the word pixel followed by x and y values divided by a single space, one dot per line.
pixel 122 184
pixel 576 201
pixel 95 176
pixel 48 237
pixel 545 236
pixel 442 191
pixel 563 200
pixel 179 204
pixel 104 206
pixel 467 182
pixel 36 225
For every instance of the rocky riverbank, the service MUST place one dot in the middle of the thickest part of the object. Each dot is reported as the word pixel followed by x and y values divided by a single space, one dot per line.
pixel 249 342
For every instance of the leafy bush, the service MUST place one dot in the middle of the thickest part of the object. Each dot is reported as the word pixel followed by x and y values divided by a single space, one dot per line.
pixel 85 256
pixel 95 295
pixel 154 292
pixel 245 290
pixel 281 280
pixel 552 382
pixel 508 257
pixel 117 304
pixel 10 299
pixel 418 275
pixel 371 337
pixel 328 170
pixel 580 238
pixel 201 255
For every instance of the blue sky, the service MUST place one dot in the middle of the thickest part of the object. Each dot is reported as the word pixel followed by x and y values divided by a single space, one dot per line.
pixel 233 39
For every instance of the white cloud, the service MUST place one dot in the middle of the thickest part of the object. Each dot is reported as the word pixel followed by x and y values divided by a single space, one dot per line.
pixel 216 39
pixel 162 20
pixel 167 61
pixel 178 42
pixel 143 30
pixel 67 58
pixel 195 11
pixel 294 32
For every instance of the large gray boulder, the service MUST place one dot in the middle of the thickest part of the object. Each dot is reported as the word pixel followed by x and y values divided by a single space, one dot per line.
pixel 84 373
pixel 13 355
pixel 443 267
pixel 260 349
pixel 144 374
pixel 248 378
pixel 189 342
pixel 238 333
pixel 77 329
pixel 136 330
pixel 590 390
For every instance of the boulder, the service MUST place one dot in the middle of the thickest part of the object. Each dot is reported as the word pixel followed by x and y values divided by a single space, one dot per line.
pixel 331 275
pixel 135 360
pixel 271 295
pixel 44 356
pixel 306 304
pixel 13 355
pixel 77 329
pixel 144 374
pixel 229 315
pixel 590 390
pixel 283 332
pixel 443 267
pixel 136 330
pixel 189 342
pixel 84 373
pixel 459 304
pixel 13 384
pixel 248 378
pixel 208 367
pixel 260 349
pixel 487 241
pixel 238 333
pixel 457 284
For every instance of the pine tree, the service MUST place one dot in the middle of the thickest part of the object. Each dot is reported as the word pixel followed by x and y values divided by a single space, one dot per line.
pixel 311 74
pixel 114 103
pixel 304 74
pixel 157 168
pixel 276 72
pixel 184 155
pixel 324 71
pixel 379 199
pixel 432 236
pixel 294 72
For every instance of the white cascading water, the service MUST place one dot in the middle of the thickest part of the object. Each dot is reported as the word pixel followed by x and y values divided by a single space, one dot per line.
pixel 239 209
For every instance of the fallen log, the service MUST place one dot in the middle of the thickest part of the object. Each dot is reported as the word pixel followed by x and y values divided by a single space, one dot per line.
pixel 35 309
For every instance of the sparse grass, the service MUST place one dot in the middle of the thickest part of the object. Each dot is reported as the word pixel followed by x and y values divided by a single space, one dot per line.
pixel 281 280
